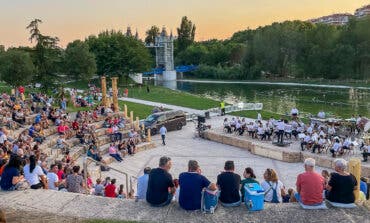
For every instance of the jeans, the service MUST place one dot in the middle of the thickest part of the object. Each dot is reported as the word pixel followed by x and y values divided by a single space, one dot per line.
pixel 236 204
pixel 298 198
pixel 117 157
pixel 167 202
pixel 163 139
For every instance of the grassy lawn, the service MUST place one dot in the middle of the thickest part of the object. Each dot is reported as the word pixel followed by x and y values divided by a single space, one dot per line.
pixel 140 110
pixel 168 96
pixel 265 115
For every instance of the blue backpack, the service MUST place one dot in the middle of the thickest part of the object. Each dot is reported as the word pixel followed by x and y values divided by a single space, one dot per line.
pixel 275 198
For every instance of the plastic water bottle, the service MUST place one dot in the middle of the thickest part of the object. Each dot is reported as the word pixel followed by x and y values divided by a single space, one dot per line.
pixel 212 210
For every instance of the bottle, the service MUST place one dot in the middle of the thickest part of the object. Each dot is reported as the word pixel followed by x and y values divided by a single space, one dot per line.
pixel 212 210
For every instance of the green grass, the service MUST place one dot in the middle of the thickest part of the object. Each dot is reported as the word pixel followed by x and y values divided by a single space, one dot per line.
pixel 265 115
pixel 140 110
pixel 172 97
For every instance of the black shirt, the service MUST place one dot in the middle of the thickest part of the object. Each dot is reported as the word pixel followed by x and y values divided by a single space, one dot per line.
pixel 229 184
pixel 158 184
pixel 342 188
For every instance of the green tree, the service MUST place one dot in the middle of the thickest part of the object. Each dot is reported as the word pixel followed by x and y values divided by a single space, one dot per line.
pixel 46 55
pixel 79 62
pixel 151 34
pixel 16 67
pixel 116 54
pixel 185 34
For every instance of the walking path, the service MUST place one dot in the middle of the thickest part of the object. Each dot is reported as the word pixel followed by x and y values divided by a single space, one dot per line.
pixel 158 104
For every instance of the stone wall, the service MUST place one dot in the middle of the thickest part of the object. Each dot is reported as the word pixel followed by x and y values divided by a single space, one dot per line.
pixel 274 152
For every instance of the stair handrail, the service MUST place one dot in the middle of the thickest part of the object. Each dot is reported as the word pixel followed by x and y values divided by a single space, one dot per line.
pixel 111 168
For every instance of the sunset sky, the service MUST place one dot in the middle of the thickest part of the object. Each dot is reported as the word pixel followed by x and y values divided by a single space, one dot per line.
pixel 76 19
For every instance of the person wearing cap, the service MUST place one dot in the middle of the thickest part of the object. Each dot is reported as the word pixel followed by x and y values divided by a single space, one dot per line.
pixel 310 185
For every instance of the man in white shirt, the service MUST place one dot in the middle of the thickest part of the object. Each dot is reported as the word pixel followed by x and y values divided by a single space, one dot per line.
pixel 294 112
pixel 163 132
pixel 281 130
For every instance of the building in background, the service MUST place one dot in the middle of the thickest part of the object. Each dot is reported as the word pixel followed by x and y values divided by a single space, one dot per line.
pixel 334 19
pixel 363 11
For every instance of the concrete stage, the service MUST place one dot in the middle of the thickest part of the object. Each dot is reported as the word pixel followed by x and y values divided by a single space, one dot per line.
pixel 291 153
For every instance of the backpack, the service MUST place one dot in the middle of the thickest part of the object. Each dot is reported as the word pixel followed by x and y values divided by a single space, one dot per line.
pixel 275 198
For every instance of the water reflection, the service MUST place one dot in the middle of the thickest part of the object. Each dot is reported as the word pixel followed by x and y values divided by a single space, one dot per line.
pixel 278 98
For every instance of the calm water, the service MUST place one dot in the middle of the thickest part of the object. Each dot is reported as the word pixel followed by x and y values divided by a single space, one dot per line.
pixel 341 101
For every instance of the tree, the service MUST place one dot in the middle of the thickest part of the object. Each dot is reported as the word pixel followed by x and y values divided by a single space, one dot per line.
pixel 185 34
pixel 116 54
pixel 16 67
pixel 79 62
pixel 151 34
pixel 46 55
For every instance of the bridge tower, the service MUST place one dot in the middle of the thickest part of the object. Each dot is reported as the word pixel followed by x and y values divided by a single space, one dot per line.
pixel 164 55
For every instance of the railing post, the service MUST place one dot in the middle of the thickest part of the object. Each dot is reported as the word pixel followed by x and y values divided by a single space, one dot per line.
pixel 127 184
pixel 354 167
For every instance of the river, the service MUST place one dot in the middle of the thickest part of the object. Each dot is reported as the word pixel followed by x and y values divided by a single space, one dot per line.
pixel 339 100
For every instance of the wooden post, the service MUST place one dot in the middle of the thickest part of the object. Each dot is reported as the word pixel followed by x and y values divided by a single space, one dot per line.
pixel 354 167
pixel 104 91
pixel 125 110
pixel 137 124
pixel 148 136
pixel 132 118
pixel 115 94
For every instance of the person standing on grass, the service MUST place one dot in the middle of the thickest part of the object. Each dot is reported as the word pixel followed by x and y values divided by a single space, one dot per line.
pixel 163 132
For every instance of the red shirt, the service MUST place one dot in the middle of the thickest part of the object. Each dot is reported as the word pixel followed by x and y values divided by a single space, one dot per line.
pixel 110 190
pixel 75 125
pixel 62 128
pixel 60 174
pixel 311 186
pixel 21 89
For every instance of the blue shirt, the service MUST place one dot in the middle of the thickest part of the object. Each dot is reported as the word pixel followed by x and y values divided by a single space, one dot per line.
pixel 191 186
pixel 142 186
pixel 363 187
pixel 163 130
pixel 7 177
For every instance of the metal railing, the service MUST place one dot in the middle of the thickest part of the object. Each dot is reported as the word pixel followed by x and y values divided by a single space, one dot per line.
pixel 128 179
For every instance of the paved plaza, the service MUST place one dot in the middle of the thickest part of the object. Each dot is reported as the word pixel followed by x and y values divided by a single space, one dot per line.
pixel 183 145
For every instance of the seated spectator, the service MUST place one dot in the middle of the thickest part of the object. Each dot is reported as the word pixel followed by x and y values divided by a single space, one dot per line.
pixel 99 188
pixel 53 180
pixel 160 185
pixel 326 176
pixel 75 182
pixel 121 192
pixel 33 173
pixel 310 185
pixel 62 144
pixel 110 189
pixel 11 177
pixel 227 125
pixel 75 125
pixel 249 177
pixel 229 184
pixel 142 183
pixel 363 186
pixel 337 147
pixel 341 184
pixel 192 184
pixel 93 153
pixel 114 153
pixel 274 188
pixel 366 152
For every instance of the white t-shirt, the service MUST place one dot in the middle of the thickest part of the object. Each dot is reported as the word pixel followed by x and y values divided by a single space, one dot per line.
pixel 52 179
pixel 269 194
pixel 32 178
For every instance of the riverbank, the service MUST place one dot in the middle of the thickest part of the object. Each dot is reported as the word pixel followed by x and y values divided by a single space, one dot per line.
pixel 365 84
